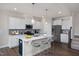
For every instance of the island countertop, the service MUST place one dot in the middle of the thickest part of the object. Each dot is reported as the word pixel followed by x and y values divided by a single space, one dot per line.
pixel 22 37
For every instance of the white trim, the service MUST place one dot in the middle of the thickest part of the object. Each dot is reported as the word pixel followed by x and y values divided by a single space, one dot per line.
pixel 3 46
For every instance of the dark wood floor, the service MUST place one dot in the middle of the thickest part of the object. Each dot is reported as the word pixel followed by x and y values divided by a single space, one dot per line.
pixel 9 52
pixel 57 49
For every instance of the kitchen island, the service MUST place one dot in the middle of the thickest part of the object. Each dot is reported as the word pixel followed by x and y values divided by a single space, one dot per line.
pixel 34 45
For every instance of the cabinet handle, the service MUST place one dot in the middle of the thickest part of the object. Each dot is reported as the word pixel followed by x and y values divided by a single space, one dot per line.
pixel 37 46
pixel 46 43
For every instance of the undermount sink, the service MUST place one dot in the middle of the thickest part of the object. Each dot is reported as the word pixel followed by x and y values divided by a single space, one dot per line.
pixel 36 35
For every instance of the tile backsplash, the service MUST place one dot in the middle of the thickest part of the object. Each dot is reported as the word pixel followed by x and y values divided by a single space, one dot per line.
pixel 21 31
pixel 16 31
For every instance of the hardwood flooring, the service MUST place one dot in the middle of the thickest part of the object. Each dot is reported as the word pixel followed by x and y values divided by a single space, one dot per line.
pixel 9 52
pixel 57 49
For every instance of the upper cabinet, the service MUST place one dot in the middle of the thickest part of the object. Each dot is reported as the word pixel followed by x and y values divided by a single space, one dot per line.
pixel 65 22
pixel 57 22
pixel 16 23
pixel 19 23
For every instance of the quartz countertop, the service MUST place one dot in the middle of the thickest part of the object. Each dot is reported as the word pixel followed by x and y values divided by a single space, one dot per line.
pixel 33 38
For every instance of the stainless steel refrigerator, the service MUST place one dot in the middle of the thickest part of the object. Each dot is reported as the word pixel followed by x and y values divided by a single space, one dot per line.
pixel 56 31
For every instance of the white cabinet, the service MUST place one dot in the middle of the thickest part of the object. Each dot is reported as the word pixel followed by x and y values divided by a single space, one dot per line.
pixel 45 43
pixel 64 38
pixel 16 23
pixel 40 45
pixel 67 23
pixel 36 46
pixel 57 22
pixel 20 23
pixel 13 41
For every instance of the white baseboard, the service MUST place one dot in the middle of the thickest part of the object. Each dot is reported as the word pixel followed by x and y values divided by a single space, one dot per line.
pixel 3 46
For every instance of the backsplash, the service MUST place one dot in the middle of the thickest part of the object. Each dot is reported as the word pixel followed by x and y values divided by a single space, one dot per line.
pixel 16 31
pixel 21 31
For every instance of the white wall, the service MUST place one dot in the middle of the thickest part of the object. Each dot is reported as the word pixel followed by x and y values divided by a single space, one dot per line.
pixel 4 26
pixel 76 24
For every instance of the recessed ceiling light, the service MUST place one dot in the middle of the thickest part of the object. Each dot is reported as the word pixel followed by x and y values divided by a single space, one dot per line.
pixel 14 8
pixel 59 12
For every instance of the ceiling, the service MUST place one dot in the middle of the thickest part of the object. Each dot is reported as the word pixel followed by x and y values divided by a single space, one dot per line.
pixel 54 9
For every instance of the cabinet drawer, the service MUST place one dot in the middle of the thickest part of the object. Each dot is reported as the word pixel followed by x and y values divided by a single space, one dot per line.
pixel 36 43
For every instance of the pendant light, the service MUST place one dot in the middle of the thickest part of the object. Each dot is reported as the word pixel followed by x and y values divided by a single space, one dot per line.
pixel 46 16
pixel 33 21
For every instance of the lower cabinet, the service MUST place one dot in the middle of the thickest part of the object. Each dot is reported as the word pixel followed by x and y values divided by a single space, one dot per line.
pixel 45 44
pixel 40 45
pixel 13 42
pixel 64 38
pixel 36 44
